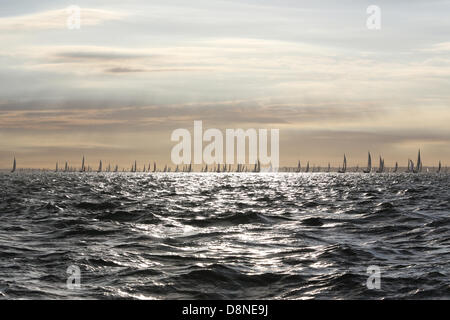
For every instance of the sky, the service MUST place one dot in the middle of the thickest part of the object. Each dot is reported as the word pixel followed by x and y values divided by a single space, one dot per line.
pixel 116 88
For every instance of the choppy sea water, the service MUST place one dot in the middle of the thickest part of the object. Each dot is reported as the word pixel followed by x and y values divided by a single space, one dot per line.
pixel 224 236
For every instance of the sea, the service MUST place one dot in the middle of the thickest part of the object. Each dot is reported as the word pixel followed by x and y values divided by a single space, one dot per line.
pixel 224 236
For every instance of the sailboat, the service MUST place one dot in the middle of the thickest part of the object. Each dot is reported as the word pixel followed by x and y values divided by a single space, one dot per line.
pixel 440 167
pixel 255 169
pixel 83 169
pixel 396 167
pixel 66 167
pixel 56 168
pixel 307 167
pixel 418 164
pixel 410 166
pixel 344 165
pixel 381 167
pixel 14 165
pixel 116 169
pixel 154 166
pixel 259 166
pixel 100 166
pixel 299 166
pixel 369 164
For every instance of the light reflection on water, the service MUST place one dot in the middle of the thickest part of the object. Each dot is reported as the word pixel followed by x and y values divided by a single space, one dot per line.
pixel 201 236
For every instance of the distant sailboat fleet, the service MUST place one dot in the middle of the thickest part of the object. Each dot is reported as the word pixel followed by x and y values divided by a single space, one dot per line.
pixel 220 168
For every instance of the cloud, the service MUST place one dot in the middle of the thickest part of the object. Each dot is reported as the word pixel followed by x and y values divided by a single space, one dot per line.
pixel 124 70
pixel 121 116
pixel 95 54
pixel 442 47
pixel 57 19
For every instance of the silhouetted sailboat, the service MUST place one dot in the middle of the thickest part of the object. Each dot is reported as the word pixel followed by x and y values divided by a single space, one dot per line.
pixel 100 166
pixel 14 165
pixel 299 166
pixel 344 166
pixel 396 167
pixel 56 168
pixel 307 167
pixel 381 166
pixel 369 164
pixel 418 164
pixel 66 167
pixel 410 166
pixel 440 167
pixel 83 169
